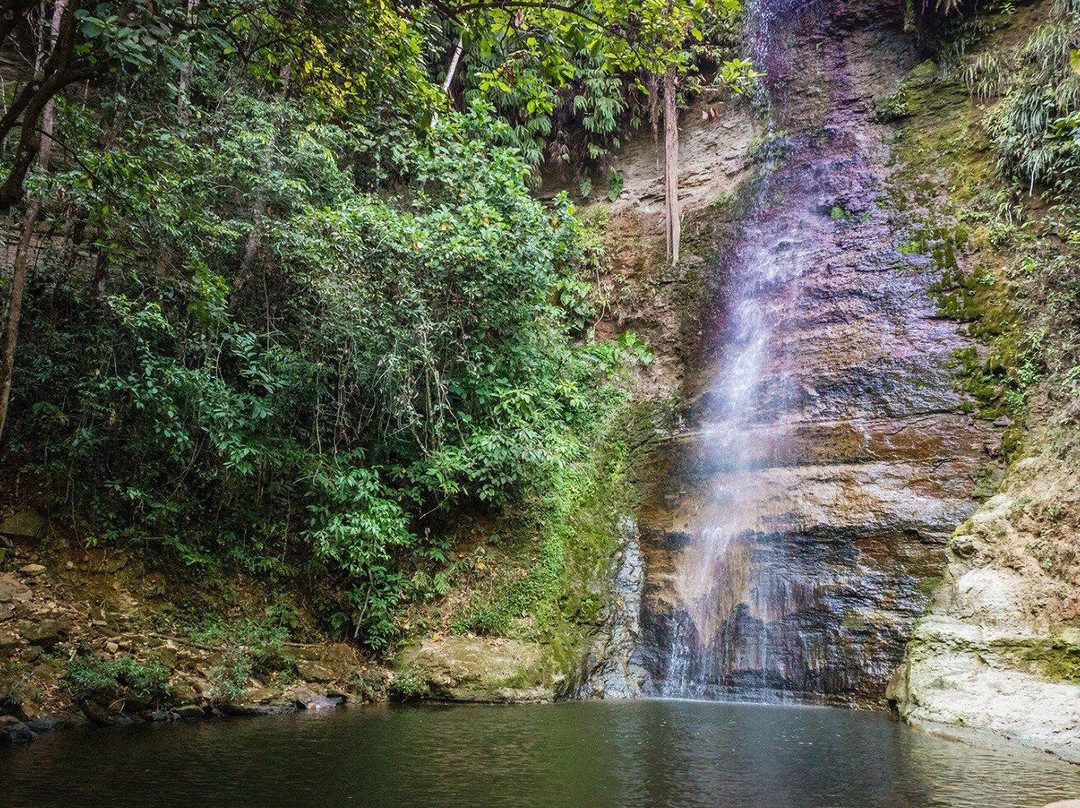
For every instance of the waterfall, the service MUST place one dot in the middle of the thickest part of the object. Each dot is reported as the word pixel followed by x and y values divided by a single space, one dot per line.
pixel 741 431
pixel 827 455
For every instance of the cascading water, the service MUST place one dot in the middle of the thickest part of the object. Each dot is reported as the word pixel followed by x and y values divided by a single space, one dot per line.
pixel 807 499
pixel 712 575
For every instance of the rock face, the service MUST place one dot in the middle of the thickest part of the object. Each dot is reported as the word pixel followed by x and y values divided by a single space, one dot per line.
pixel 67 608
pixel 462 668
pixel 827 455
pixel 610 669
pixel 1000 651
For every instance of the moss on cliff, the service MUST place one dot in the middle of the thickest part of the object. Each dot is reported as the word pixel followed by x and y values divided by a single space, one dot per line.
pixel 945 191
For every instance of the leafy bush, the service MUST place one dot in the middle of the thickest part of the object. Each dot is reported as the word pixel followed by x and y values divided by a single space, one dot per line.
pixel 122 678
pixel 249 648
pixel 398 355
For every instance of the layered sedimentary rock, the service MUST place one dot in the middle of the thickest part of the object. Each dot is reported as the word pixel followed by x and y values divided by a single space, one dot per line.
pixel 1000 650
pixel 827 455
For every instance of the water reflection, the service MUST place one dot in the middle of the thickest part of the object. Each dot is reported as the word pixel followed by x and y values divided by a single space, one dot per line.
pixel 651 753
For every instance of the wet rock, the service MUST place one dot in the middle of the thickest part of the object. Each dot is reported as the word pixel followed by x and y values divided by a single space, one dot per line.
pixel 44 723
pixel 26 524
pixel 247 709
pixel 190 712
pixel 13 731
pixel 610 668
pixel 801 518
pixel 308 700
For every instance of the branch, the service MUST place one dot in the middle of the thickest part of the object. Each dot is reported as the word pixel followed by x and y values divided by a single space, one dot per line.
pixel 507 5
pixel 13 13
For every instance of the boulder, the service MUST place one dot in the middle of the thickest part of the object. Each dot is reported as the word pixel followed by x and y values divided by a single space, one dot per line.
pixel 45 723
pixel 307 700
pixel 312 671
pixel 474 669
pixel 42 633
pixel 25 524
pixel 13 731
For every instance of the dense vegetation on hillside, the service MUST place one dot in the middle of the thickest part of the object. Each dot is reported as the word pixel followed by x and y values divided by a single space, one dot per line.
pixel 1028 99
pixel 283 293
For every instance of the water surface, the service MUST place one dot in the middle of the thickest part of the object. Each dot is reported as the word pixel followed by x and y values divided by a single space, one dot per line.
pixel 634 753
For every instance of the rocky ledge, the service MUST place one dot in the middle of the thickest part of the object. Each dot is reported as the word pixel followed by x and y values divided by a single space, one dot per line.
pixel 84 640
pixel 1001 643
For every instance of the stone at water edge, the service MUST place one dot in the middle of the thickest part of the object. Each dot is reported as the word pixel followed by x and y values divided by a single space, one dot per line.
pixel 13 731
pixel 314 671
pixel 306 700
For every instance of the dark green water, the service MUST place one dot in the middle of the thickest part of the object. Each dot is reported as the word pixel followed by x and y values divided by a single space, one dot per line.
pixel 650 753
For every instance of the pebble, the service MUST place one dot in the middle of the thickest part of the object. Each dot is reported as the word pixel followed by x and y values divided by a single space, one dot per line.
pixel 32 569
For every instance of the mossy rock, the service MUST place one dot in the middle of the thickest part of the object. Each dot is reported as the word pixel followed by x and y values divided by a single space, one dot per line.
pixel 475 669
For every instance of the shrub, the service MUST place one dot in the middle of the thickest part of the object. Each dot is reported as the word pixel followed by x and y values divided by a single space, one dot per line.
pixel 123 678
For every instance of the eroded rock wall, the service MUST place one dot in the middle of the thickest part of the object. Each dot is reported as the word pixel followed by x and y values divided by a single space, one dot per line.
pixel 1000 650
pixel 998 655
pixel 867 458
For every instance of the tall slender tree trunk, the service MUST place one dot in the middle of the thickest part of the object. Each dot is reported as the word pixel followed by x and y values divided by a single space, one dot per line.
pixel 262 193
pixel 183 104
pixel 26 236
pixel 451 71
pixel 671 165
pixel 18 285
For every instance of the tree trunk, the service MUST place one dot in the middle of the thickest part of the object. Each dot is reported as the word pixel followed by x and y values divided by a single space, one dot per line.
pixel 26 237
pixel 183 106
pixel 450 73
pixel 254 240
pixel 18 284
pixel 671 165
pixel 48 113
pixel 452 70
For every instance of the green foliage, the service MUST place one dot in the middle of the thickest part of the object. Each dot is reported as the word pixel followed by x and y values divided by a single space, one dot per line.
pixel 285 334
pixel 555 590
pixel 95 678
pixel 572 79
pixel 248 648
pixel 1035 124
